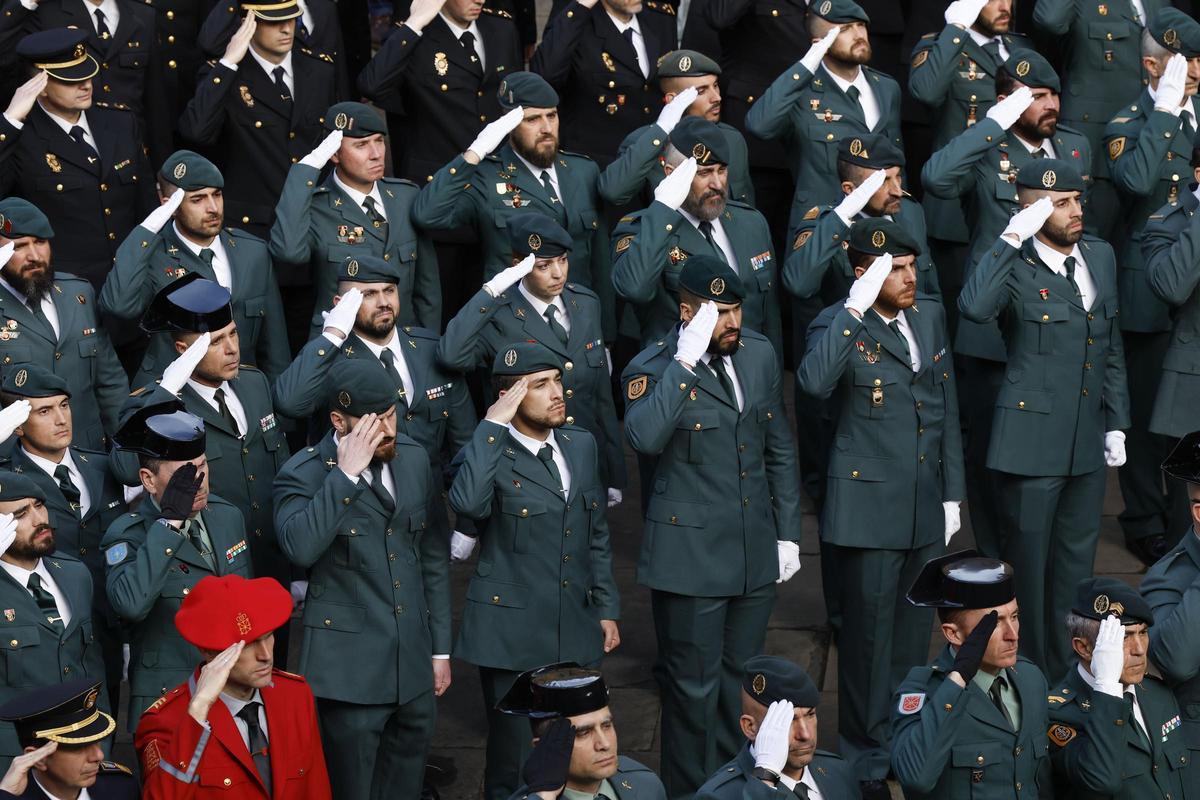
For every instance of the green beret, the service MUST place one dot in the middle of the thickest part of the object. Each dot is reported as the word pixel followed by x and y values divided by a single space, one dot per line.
pixel 191 172
pixel 702 140
pixel 524 358
pixel 528 90
pixel 15 486
pixel 354 120
pixel 840 11
pixel 19 217
pixel 1051 173
pixel 1032 70
pixel 686 64
pixel 1097 598
pixel 871 150
pixel 33 381
pixel 878 235
pixel 367 269
pixel 710 278
pixel 1175 31
pixel 534 232
pixel 360 386
pixel 770 678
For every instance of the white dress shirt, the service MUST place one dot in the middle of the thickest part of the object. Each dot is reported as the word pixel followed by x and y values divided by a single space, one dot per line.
pixel 289 77
pixel 473 29
pixel 1046 146
pixel 540 307
pixel 393 345
pixel 866 97
pixel 726 362
pixel 358 197
pixel 83 793
pixel 1188 108
pixel 537 173
pixel 639 43
pixel 220 263
pixel 533 446
pixel 914 349
pixel 719 236
pixel 1083 277
pixel 209 395
pixel 112 14
pixel 47 466
pixel 1129 690
pixel 235 705
pixel 46 305
pixel 66 126
pixel 21 576
pixel 814 792
pixel 981 40
pixel 1139 10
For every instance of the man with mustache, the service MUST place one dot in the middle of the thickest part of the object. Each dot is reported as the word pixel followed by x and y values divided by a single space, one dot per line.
pixel 1114 730
pixel 50 319
pixel 47 600
pixel 1053 290
pixel 692 215
pixel 977 168
pixel 1149 144
pixel 156 555
pixel 722 517
pixel 192 194
pixel 353 511
pixel 688 82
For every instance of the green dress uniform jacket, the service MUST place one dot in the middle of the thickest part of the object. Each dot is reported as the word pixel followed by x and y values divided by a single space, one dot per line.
pixel 632 781
pixel 151 567
pixel 1098 750
pixel 596 72
pixel 724 488
pixel 486 324
pixel 544 578
pixel 951 743
pixel 651 246
pixel 956 79
pixel 1149 161
pixel 810 114
pixel 1172 588
pixel 1171 248
pixel 378 605
pixel 81 354
pixel 486 195
pixel 318 224
pixel 1065 380
pixel 147 262
pixel 37 653
pixel 734 781
pixel 818 265
pixel 637 169
pixel 898 444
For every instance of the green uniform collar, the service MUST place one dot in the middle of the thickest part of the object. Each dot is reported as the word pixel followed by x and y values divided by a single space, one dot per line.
pixel 606 793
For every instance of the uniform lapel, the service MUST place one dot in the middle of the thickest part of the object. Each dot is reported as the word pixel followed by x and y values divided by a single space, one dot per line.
pixel 884 98
pixel 78 603
pixel 579 326
pixel 262 86
pixel 200 407
pixel 23 598
pixel 536 325
pixel 17 311
pixel 574 461
pixel 395 213
pixel 23 465
pixel 1064 287
pixel 887 339
pixel 59 145
pixel 93 479
pixel 126 29
pixel 65 306
pixel 615 44
pixel 924 336
pixel 849 109
pixel 452 46
pixel 531 467
pixel 416 368
pixel 183 254
pixel 227 733
pixel 276 721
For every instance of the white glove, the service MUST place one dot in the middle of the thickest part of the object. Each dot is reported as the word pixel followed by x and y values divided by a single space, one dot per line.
pixel 505 279
pixel 496 132
pixel 857 200
pixel 963 13
pixel 953 511
pixel 6 251
pixel 695 337
pixel 1108 656
pixel 1028 221
pixel 673 111
pixel 865 290
pixel 1010 109
pixel 8 532
pixel 812 59
pixel 341 317
pixel 299 589
pixel 789 560
pixel 178 371
pixel 321 154
pixel 12 417
pixel 461 546
pixel 615 496
pixel 1172 85
pixel 674 188
pixel 155 220
pixel 1114 448
pixel 773 741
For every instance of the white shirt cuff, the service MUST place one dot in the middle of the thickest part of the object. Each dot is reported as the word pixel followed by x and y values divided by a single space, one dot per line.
pixel 441 656
pixel 15 123
pixel 228 65
pixel 336 341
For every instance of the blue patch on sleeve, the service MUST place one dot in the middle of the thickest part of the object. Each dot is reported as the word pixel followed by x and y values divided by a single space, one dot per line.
pixel 116 554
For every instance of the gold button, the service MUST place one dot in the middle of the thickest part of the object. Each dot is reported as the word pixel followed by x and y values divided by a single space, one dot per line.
pixel 682 386
pixel 169 551
pixel 59 187
pixel 453 171
pixel 491 440
pixel 948 707
pixel 495 598
pixel 171 39
pixel 570 393
pixel 258 123
pixel 1045 317
pixel 657 142
pixel 698 426
pixel 829 137
pixel 1020 404
pixel 1085 392
pixel 612 84
pixel 172 65
pixel 320 352
pixel 795 76
pixel 569 365
pixel 245 220
pixel 854 474
pixel 878 382
pixel 979 759
pixel 104 187
pixel 1174 177
pixel 444 87
pixel 674 519
pixel 846 332
pixel 13 643
pixel 524 512
pixel 670 228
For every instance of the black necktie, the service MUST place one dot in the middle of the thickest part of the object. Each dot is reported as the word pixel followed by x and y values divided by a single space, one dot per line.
pixel 258 742
pixel 994 693
pixel 206 256
pixel 546 454
pixel 555 325
pixel 69 492
pixel 35 308
pixel 226 414
pixel 194 531
pixel 800 791
pixel 77 133
pixel 853 93
pixel 554 201
pixel 101 26
pixel 716 365
pixel 468 42
pixel 377 220
pixel 992 48
pixel 895 326
pixel 45 601
pixel 385 497
pixel 1145 737
pixel 284 93
pixel 706 228
pixel 389 361
pixel 1039 153
pixel 628 34
pixel 1069 265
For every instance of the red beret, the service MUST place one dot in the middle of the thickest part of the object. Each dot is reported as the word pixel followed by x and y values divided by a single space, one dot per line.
pixel 222 611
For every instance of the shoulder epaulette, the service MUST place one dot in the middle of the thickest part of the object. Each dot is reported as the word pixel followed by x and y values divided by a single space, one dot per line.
pixel 812 213
pixel 579 288
pixel 291 675
pixel 574 154
pixel 827 754
pixel 398 182
pixel 418 332
pixel 162 701
pixel 930 35
pixel 498 12
pixel 112 766
pixel 660 7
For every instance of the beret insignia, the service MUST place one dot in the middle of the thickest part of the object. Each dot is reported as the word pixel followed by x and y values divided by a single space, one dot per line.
pixel 699 152
pixel 179 171
pixel 352 268
pixel 1101 604
pixel 878 238
pixel 90 700
pixel 22 376
pixel 717 286
pixel 1170 37
pixel 535 242
pixel 242 620
pixel 341 122
pixel 855 146
pixel 510 358
pixel 1022 69
pixel 685 63
pixel 759 684
pixel 825 7
pixel 344 399
pixel 1049 179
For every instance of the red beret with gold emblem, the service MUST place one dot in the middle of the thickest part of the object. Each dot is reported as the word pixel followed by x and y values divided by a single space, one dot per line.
pixel 221 611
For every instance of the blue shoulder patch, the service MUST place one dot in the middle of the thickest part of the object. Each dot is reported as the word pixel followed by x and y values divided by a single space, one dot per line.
pixel 116 554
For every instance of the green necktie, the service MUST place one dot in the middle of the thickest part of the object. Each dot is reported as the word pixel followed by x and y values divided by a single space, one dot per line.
pixel 800 791
pixel 206 255
pixel 194 530
pixel 992 48
pixel 45 601
pixel 389 362
pixel 997 698
pixel 853 93
pixel 706 228
pixel 895 326
pixel 1069 265
pixel 546 454
pixel 1133 720
pixel 559 211
pixel 35 308
pixel 69 491
pixel 226 414
pixel 717 365
pixel 385 497
pixel 556 326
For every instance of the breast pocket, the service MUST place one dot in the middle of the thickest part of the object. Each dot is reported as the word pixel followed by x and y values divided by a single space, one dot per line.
pixel 874 392
pixel 692 431
pixel 19 644
pixel 133 59
pixel 59 184
pixel 1041 321
pixel 16 353
pixel 979 769
pixel 584 222
pixel 1104 38
pixel 254 309
pixel 522 516
pixel 351 546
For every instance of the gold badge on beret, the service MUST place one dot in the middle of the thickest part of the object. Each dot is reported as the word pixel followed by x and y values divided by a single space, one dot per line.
pixel 685 63
pixel 825 8
pixel 1049 179
pixel 535 242
pixel 699 152
pixel 1022 68
pixel 344 399
pixel 242 620
pixel 1101 604
pixel 878 238
pixel 352 268
pixel 759 684
pixel 855 146
pixel 1170 37
pixel 179 171
pixel 341 121
pixel 510 358
pixel 441 64
pixel 717 287
pixel 22 376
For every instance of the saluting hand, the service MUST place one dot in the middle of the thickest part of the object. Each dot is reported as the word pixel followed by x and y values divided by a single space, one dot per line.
pixel 356 449
pixel 1108 656
pixel 507 278
pixel 970 653
pixel 857 200
pixel 546 768
pixel 506 405
pixel 239 43
pixel 673 111
pixel 12 417
pixel 25 96
pixel 180 494
pixel 674 188
pixel 865 290
pixel 422 12
pixel 339 320
pixel 1028 221
pixel 178 371
pixel 1010 109
pixel 963 13
pixel 696 336
pixel 16 779
pixel 211 682
pixel 8 532
pixel 1172 86
pixel 493 134
pixel 155 220
pixel 321 154
pixel 812 59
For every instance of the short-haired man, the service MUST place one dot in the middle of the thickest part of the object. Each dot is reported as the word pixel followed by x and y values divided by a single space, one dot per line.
pixel 780 756
pixel 568 691
pixel 1115 730
pixel 236 715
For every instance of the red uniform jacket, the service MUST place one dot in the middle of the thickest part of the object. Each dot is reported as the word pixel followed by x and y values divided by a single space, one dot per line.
pixel 182 759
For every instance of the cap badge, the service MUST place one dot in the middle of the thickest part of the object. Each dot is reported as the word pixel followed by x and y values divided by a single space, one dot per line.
pixel 243 623
pixel 79 51
pixel 510 358
pixel 1022 69
pixel 1117 608
pixel 700 152
pixel 825 8
pixel 22 376
pixel 352 268
pixel 759 684
pixel 535 242
pixel 179 171
pixel 90 700
pixel 341 122
pixel 1100 605
pixel 717 287
pixel 344 399
pixel 878 238
pixel 1049 179
pixel 1170 37
pixel 685 63
pixel 855 146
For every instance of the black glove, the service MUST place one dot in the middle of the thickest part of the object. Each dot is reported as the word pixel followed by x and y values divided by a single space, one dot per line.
pixel 546 767
pixel 176 503
pixel 970 654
